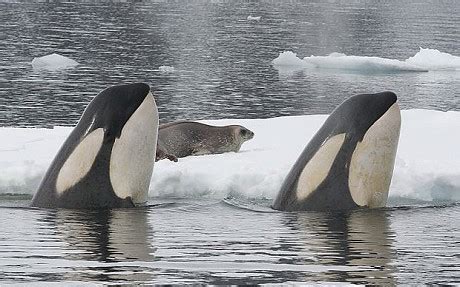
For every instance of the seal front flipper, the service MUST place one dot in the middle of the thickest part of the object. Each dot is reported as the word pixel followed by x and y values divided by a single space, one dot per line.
pixel 162 153
pixel 349 162
pixel 172 157
pixel 107 160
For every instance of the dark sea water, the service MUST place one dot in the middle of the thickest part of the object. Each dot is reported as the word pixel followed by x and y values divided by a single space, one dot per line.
pixel 222 69
pixel 214 242
pixel 222 61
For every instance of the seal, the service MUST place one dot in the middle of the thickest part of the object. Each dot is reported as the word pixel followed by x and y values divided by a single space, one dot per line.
pixel 184 138
pixel 107 160
pixel 349 162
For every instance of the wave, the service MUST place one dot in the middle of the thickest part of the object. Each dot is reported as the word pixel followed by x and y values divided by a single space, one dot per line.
pixel 427 163
pixel 425 60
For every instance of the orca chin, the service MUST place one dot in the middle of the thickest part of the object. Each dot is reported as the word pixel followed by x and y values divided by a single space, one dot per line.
pixel 349 162
pixel 107 160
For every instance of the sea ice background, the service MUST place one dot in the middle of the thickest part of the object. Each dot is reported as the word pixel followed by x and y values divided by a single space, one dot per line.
pixel 427 166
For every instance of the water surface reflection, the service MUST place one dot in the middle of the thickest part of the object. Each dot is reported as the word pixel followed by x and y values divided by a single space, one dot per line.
pixel 108 244
pixel 199 241
pixel 360 240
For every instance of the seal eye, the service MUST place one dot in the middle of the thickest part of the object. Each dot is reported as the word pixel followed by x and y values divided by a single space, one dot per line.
pixel 243 132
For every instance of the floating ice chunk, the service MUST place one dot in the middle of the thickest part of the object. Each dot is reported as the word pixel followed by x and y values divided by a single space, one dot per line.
pixel 166 69
pixel 425 60
pixel 427 165
pixel 53 62
pixel 288 62
pixel 339 61
pixel 254 18
pixel 433 59
pixel 288 58
pixel 358 63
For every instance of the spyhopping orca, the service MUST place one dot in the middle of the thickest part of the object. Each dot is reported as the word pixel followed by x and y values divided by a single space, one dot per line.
pixel 107 160
pixel 349 162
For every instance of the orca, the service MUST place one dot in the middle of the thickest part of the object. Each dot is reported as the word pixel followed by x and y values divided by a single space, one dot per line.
pixel 349 162
pixel 107 160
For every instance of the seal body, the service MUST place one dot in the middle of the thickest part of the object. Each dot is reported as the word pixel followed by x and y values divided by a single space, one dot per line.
pixel 182 139
pixel 349 162
pixel 107 160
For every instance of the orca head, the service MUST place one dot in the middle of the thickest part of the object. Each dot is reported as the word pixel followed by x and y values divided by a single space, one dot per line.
pixel 113 107
pixel 123 119
pixel 356 115
pixel 364 132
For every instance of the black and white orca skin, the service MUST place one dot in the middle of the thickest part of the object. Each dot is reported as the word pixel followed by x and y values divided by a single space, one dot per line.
pixel 349 162
pixel 107 160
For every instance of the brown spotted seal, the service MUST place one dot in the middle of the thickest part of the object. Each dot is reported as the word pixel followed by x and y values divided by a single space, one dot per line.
pixel 185 138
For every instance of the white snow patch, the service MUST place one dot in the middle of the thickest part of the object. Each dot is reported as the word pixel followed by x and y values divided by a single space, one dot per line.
pixel 288 60
pixel 53 62
pixel 425 60
pixel 357 63
pixel 427 162
pixel 434 60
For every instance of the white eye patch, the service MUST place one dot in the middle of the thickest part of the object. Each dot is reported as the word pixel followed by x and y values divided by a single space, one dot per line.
pixel 317 169
pixel 80 161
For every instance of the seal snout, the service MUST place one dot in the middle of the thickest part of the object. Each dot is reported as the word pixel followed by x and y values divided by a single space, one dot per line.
pixel 246 134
